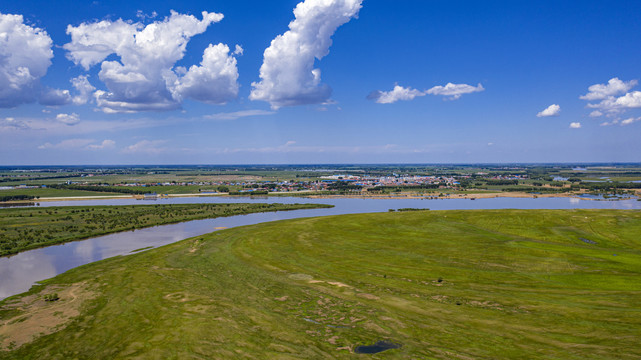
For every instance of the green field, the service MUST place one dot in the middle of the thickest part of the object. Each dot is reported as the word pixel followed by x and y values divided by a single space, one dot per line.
pixel 49 192
pixel 27 228
pixel 520 284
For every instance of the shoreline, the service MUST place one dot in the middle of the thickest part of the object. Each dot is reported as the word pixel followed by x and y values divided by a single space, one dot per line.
pixel 470 196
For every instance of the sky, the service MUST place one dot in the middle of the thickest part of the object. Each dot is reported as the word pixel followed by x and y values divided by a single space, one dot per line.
pixel 319 82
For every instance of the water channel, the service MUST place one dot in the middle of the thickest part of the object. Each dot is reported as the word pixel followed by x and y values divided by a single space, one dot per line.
pixel 19 272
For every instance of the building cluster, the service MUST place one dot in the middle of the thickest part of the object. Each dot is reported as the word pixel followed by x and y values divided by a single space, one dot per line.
pixel 323 183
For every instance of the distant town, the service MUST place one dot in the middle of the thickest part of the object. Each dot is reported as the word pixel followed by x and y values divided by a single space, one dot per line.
pixel 434 180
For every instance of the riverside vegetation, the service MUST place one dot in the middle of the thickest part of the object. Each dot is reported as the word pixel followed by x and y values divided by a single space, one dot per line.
pixel 28 228
pixel 533 284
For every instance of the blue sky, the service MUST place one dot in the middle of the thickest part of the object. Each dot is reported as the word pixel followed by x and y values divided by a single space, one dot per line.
pixel 337 81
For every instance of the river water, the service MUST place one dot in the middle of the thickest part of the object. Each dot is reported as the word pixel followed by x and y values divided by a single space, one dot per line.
pixel 19 272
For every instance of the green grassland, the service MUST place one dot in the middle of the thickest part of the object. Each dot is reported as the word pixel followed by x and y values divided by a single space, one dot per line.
pixel 27 228
pixel 50 192
pixel 141 176
pixel 520 284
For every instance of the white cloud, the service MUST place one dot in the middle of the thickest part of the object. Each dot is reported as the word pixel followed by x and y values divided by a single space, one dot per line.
pixel 68 119
pixel 84 89
pixel 67 144
pixel 74 144
pixel 239 50
pixel 398 93
pixel 575 125
pixel 609 103
pixel 630 121
pixel 42 127
pixel 552 110
pixel 142 16
pixel 625 122
pixel 106 144
pixel 238 114
pixel 58 97
pixel 454 91
pixel 214 81
pixel 144 79
pixel 54 97
pixel 288 77
pixel 629 100
pixel 8 124
pixel 612 88
pixel 25 56
pixel 610 123
pixel 146 147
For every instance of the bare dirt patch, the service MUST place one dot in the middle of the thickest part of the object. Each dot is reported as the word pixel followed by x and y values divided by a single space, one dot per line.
pixel 368 296
pixel 38 317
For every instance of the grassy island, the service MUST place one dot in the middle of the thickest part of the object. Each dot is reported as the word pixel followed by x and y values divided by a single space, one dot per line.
pixel 28 228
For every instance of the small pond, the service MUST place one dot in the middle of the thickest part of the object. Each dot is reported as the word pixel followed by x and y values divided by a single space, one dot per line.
pixel 376 348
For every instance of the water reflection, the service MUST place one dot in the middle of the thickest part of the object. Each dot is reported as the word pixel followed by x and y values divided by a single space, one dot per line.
pixel 19 272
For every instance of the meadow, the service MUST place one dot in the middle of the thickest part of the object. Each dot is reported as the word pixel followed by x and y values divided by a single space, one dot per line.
pixel 533 284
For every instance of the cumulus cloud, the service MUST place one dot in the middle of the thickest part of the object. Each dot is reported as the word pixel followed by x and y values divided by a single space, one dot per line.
pixel 630 121
pixel 629 100
pixel 612 88
pixel 454 91
pixel 25 56
pixel 144 78
pixel 10 123
pixel 288 76
pixel 398 93
pixel 55 97
pixel 552 110
pixel 84 89
pixel 575 125
pixel 614 97
pixel 214 81
pixel 59 97
pixel 68 119
pixel 237 114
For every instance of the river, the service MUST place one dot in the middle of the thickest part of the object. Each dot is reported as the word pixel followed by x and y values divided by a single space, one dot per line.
pixel 19 272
